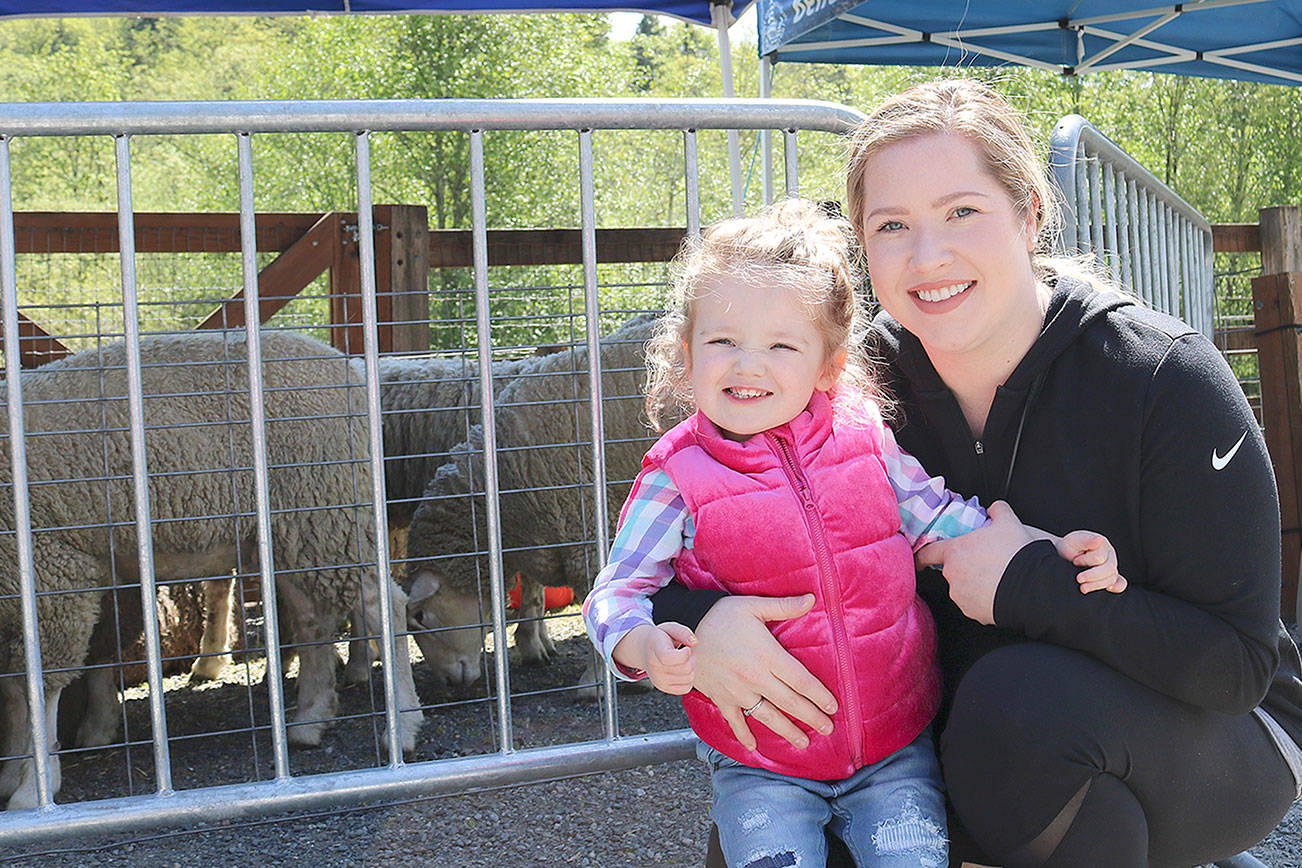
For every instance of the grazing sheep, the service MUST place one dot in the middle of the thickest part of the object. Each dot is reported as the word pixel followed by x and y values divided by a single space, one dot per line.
pixel 427 405
pixel 199 454
pixel 544 462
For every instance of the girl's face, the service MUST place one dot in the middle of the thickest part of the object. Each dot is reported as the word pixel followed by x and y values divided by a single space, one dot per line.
pixel 755 357
pixel 947 250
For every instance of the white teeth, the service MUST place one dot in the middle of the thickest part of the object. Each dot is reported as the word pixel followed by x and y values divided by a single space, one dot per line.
pixel 746 393
pixel 944 292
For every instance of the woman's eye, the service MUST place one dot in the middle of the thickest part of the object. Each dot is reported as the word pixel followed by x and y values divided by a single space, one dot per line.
pixel 890 226
pixel 964 211
pixel 723 342
pixel 784 347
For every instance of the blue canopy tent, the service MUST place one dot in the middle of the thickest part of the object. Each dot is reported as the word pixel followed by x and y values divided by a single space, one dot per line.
pixel 1253 40
pixel 698 11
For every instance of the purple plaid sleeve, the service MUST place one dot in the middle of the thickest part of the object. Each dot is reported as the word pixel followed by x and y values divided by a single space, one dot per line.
pixel 654 526
pixel 928 511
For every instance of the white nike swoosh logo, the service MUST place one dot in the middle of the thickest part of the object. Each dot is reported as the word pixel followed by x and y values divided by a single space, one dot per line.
pixel 1218 463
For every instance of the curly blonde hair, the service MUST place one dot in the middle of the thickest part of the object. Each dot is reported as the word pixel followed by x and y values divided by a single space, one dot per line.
pixel 794 243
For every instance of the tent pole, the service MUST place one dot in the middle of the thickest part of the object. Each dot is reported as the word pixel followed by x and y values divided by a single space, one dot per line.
pixel 766 136
pixel 721 14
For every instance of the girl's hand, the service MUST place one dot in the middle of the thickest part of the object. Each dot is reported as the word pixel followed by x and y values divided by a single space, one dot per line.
pixel 663 652
pixel 1085 548
pixel 738 662
pixel 671 665
pixel 974 563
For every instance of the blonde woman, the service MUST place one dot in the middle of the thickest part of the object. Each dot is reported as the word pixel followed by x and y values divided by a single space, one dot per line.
pixel 1159 726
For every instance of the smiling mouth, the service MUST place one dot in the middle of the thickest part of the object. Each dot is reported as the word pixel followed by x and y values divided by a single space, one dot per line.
pixel 944 292
pixel 746 394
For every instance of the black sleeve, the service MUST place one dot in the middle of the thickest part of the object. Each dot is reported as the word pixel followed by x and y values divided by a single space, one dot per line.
pixel 674 602
pixel 1200 619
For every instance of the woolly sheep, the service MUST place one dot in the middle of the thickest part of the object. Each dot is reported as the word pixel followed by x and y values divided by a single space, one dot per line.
pixel 199 457
pixel 426 403
pixel 544 462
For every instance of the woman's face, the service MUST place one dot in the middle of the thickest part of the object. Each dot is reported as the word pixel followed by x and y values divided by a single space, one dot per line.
pixel 947 250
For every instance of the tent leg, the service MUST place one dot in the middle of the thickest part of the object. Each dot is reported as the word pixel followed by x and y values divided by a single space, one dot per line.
pixel 721 13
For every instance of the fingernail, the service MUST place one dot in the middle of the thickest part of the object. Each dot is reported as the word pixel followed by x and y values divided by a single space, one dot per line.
pixel 825 730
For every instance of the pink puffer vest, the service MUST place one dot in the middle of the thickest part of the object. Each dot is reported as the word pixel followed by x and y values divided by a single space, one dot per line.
pixel 807 508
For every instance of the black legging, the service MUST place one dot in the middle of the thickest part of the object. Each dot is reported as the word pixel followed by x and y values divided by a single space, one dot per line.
pixel 1053 758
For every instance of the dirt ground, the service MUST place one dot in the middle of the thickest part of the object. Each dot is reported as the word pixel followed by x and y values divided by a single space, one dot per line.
pixel 656 815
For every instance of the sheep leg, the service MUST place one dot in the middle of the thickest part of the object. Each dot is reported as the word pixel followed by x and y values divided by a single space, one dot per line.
pixel 20 773
pixel 103 709
pixel 531 637
pixel 589 688
pixel 361 652
pixel 410 716
pixel 214 646
pixel 312 632
pixel 13 694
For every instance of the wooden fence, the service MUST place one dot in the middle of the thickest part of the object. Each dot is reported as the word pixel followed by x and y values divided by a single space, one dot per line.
pixel 1277 334
pixel 308 245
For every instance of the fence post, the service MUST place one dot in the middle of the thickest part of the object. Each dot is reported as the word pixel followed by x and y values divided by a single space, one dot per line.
pixel 402 277
pixel 1277 306
pixel 401 281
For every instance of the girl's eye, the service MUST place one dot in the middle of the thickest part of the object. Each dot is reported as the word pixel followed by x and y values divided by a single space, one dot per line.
pixel 723 342
pixel 784 347
pixel 890 226
pixel 964 211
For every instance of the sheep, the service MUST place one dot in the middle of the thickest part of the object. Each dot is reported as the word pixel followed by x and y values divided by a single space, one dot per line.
pixel 427 406
pixel 425 403
pixel 544 462
pixel 199 453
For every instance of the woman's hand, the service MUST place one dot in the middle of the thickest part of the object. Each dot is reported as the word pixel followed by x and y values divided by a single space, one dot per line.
pixel 738 662
pixel 974 563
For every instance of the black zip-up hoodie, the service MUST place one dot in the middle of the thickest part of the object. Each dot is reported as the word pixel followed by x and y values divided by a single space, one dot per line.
pixel 1128 422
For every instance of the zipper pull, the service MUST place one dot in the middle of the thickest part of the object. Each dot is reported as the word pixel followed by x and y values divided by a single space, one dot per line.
pixel 980 450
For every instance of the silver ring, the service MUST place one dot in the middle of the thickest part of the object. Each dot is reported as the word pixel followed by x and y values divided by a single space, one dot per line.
pixel 747 712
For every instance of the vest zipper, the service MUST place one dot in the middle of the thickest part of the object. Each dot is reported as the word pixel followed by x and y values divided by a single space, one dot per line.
pixel 831 599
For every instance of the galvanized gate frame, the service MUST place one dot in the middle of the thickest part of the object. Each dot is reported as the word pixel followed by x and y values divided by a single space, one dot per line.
pixel 1149 240
pixel 243 120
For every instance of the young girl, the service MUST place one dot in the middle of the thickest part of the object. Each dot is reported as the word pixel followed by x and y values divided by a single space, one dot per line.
pixel 786 481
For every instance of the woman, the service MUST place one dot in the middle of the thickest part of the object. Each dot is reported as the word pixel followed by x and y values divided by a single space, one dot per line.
pixel 1154 727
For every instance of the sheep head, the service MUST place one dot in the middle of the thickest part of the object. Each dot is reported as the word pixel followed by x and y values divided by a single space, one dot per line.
pixel 446 624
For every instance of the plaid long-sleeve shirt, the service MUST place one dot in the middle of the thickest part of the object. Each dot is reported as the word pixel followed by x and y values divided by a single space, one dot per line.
pixel 655 525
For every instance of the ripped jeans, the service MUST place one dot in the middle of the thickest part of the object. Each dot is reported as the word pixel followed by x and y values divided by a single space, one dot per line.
pixel 889 814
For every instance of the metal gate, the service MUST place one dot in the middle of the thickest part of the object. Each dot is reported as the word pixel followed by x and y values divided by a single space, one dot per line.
pixel 140 567
pixel 1147 238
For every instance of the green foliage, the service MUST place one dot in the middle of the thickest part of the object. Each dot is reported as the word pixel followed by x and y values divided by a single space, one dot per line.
pixel 1227 147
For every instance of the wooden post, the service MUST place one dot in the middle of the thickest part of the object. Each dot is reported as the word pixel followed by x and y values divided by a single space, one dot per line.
pixel 345 288
pixel 1277 305
pixel 401 281
pixel 402 295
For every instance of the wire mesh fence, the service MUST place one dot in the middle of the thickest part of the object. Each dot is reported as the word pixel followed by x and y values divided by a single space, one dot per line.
pixel 1235 320
pixel 234 616
pixel 224 612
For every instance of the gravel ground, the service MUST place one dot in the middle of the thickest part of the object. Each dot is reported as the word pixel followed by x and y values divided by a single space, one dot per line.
pixel 655 815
